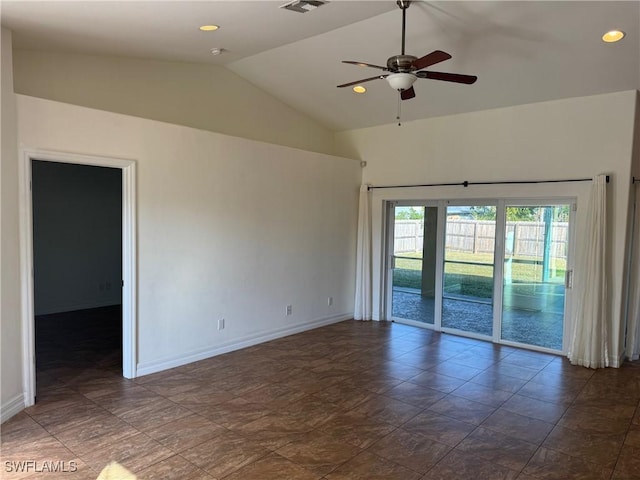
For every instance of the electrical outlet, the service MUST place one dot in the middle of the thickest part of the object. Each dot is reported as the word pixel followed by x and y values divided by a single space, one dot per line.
pixel 330 301
pixel 289 310
pixel 221 324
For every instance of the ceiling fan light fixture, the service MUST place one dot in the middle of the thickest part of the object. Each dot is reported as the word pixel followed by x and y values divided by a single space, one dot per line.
pixel 401 81
pixel 209 28
pixel 359 89
pixel 613 36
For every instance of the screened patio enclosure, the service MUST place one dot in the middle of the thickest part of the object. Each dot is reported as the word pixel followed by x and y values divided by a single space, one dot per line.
pixel 496 270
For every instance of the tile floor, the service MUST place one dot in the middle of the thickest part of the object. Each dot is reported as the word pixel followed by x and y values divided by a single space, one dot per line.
pixel 354 400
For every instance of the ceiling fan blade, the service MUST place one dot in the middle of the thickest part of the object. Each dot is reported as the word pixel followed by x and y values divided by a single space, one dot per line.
pixel 362 81
pixel 448 77
pixel 432 58
pixel 362 64
pixel 408 93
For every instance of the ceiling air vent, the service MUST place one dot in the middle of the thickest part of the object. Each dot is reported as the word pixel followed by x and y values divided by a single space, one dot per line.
pixel 303 6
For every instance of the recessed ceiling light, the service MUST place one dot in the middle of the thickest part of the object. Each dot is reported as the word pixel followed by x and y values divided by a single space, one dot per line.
pixel 209 28
pixel 613 36
pixel 359 89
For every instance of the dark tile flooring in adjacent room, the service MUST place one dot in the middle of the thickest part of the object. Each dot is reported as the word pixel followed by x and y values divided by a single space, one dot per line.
pixel 354 400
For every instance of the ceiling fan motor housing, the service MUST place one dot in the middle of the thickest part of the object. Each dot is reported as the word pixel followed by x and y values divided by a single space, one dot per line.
pixel 401 63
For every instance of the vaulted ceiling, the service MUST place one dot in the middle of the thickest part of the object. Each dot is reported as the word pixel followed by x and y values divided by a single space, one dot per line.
pixel 522 52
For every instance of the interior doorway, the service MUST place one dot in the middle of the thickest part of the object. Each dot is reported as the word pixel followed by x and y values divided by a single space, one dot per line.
pixel 77 259
pixel 127 284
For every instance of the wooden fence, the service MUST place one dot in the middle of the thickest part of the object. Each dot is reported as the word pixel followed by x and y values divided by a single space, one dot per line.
pixel 524 239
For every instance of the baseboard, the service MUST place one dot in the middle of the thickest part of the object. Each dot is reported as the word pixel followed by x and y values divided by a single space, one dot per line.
pixel 244 342
pixel 11 408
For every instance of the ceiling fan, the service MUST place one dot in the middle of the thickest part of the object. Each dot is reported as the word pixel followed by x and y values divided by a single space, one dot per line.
pixel 406 69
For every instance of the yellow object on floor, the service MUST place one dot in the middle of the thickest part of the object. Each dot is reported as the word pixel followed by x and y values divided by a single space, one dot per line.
pixel 115 471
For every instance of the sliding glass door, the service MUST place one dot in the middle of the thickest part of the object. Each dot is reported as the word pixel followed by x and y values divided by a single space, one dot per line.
pixel 413 263
pixel 467 296
pixel 535 274
pixel 496 270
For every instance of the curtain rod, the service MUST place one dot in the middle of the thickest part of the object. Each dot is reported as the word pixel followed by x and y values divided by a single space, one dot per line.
pixel 467 183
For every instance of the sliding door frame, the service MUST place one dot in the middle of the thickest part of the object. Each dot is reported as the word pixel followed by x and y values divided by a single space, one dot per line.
pixel 387 244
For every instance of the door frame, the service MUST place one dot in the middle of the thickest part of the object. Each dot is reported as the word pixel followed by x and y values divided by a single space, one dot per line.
pixel 129 259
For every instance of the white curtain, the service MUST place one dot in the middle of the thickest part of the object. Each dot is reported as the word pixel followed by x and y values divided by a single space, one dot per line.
pixel 589 341
pixel 362 309
pixel 633 327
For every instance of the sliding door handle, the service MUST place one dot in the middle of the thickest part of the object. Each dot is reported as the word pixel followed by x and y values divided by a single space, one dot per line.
pixel 568 279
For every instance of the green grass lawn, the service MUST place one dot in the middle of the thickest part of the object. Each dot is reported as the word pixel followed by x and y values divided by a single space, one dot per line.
pixel 474 280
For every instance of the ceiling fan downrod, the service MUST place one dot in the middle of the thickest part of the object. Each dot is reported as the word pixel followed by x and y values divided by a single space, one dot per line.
pixel 403 4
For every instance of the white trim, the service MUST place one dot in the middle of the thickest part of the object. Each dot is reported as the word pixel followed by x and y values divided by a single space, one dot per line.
pixel 11 408
pixel 468 334
pixel 386 297
pixel 248 341
pixel 129 258
pixel 129 273
pixel 570 265
pixel 26 282
pixel 533 348
pixel 413 323
pixel 498 269
pixel 441 239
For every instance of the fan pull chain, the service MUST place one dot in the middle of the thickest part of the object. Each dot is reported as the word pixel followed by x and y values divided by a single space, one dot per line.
pixel 399 109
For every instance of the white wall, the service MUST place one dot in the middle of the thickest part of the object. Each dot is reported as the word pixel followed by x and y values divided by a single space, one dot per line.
pixel 227 228
pixel 77 236
pixel 11 391
pixel 209 97
pixel 572 138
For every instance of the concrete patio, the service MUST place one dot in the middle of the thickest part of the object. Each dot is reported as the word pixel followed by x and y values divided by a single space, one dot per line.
pixel 530 327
